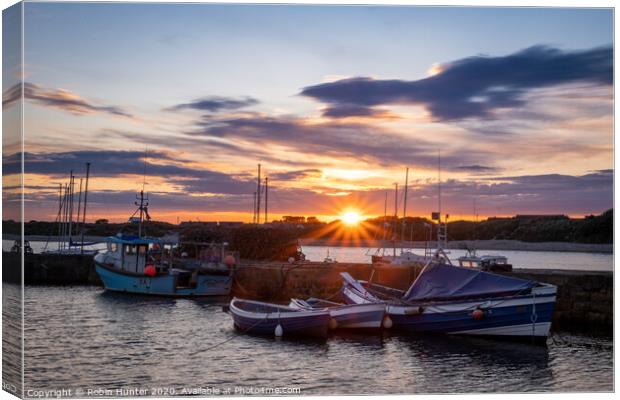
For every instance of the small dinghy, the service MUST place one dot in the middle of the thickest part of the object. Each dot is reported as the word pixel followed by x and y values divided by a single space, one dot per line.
pixel 273 319
pixel 347 316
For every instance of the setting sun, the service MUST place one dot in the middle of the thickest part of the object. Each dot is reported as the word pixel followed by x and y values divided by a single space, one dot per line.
pixel 351 218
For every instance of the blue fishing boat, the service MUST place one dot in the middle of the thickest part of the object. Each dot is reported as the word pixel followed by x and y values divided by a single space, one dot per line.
pixel 273 319
pixel 455 300
pixel 346 316
pixel 136 264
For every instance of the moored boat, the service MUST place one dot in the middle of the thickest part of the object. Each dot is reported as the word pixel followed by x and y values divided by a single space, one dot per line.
pixel 135 265
pixel 347 316
pixel 141 265
pixel 273 319
pixel 486 262
pixel 455 300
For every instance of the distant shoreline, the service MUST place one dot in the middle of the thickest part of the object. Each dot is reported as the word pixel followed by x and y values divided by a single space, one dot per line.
pixel 517 245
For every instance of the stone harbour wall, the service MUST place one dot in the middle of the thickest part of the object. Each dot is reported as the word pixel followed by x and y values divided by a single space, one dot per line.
pixel 584 299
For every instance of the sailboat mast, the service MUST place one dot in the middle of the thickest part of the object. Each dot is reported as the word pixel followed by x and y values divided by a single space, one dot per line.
pixel 383 225
pixel 395 216
pixel 59 213
pixel 65 214
pixel 266 197
pixel 402 231
pixel 254 208
pixel 85 202
pixel 79 210
pixel 258 194
pixel 71 184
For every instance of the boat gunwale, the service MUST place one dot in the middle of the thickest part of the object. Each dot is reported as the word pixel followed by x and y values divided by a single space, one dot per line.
pixel 399 303
pixel 289 313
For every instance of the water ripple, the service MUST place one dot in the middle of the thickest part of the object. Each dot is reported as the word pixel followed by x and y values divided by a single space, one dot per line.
pixel 83 337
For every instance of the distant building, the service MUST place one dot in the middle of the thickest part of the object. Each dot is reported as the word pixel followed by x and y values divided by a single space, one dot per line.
pixel 289 219
pixel 312 220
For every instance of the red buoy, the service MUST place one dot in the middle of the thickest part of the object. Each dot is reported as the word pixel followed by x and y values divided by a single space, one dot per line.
pixel 150 270
pixel 229 260
pixel 477 314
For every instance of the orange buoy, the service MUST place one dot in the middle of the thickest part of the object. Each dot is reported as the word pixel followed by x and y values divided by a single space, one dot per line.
pixel 150 270
pixel 477 314
pixel 333 324
pixel 387 322
pixel 229 260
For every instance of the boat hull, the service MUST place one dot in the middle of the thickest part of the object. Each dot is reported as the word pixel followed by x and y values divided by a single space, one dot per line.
pixel 511 317
pixel 294 323
pixel 163 285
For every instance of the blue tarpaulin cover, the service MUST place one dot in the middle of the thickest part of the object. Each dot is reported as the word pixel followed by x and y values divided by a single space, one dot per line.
pixel 446 282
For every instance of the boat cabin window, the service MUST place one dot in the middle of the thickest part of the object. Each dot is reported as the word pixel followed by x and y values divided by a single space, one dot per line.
pixel 130 249
pixel 112 247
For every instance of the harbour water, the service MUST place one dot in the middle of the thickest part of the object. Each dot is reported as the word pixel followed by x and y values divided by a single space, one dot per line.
pixel 519 259
pixel 82 338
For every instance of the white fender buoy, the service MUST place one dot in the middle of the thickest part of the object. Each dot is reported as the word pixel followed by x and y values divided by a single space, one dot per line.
pixel 333 324
pixel 279 331
pixel 387 322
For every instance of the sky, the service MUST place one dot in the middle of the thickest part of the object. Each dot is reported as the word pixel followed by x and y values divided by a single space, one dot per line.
pixel 334 102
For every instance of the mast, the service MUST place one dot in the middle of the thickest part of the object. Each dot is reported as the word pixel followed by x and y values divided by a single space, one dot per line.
pixel 475 226
pixel 59 214
pixel 402 231
pixel 254 208
pixel 77 217
pixel 65 219
pixel 384 223
pixel 258 194
pixel 85 202
pixel 143 208
pixel 266 196
pixel 71 184
pixel 395 215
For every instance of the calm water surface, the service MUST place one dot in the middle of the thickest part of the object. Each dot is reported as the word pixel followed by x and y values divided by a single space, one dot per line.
pixel 83 337
pixel 519 259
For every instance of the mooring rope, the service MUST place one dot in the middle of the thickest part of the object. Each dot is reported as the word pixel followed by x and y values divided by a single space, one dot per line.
pixel 237 334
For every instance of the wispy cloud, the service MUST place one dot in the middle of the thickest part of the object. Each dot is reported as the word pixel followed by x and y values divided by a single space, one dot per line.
pixel 472 87
pixel 60 99
pixel 338 139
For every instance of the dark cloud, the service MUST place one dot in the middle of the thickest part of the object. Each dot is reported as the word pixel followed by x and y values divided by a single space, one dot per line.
pixel 295 175
pixel 214 104
pixel 58 98
pixel 348 110
pixel 471 87
pixel 114 163
pixel 476 168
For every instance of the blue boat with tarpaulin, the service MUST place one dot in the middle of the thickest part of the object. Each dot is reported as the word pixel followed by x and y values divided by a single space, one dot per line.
pixel 455 300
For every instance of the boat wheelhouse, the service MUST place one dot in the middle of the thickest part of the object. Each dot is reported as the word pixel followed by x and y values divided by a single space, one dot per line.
pixel 142 265
pixel 137 264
